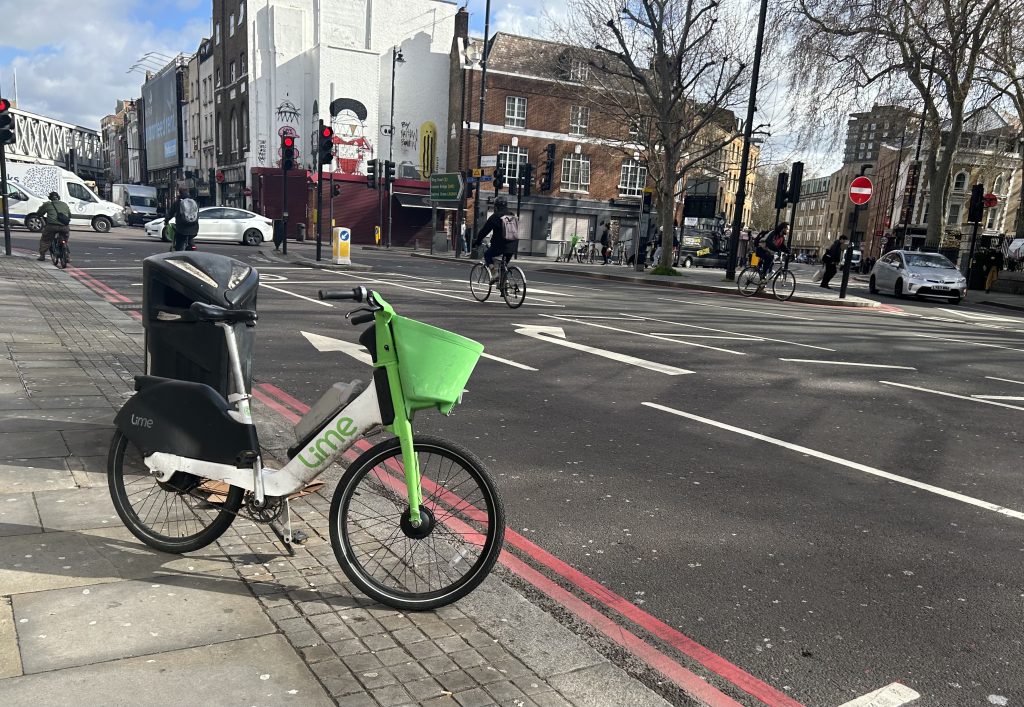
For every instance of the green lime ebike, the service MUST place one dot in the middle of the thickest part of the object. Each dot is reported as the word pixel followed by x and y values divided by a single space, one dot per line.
pixel 415 522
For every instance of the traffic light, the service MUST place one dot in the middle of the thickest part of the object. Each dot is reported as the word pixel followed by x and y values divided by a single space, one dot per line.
pixel 975 213
pixel 781 191
pixel 326 144
pixel 526 177
pixel 513 186
pixel 371 174
pixel 549 168
pixel 499 179
pixel 389 174
pixel 335 190
pixel 796 176
pixel 288 152
pixel 7 136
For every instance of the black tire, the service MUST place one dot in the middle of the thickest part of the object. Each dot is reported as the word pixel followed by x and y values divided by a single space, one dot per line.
pixel 53 253
pixel 252 237
pixel 749 281
pixel 369 505
pixel 514 292
pixel 208 521
pixel 897 289
pixel 784 285
pixel 102 224
pixel 34 224
pixel 871 285
pixel 480 282
pixel 62 257
pixel 688 262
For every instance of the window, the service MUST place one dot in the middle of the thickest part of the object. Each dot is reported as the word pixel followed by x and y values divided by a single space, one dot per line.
pixel 241 11
pixel 78 191
pixel 960 181
pixel 241 65
pixel 636 126
pixel 231 25
pixel 579 71
pixel 218 78
pixel 231 72
pixel 220 134
pixel 245 127
pixel 216 33
pixel 632 178
pixel 579 116
pixel 954 215
pixel 998 188
pixel 234 132
pixel 513 157
pixel 576 173
pixel 515 112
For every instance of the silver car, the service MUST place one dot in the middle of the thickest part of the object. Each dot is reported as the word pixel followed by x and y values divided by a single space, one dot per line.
pixel 224 223
pixel 905 272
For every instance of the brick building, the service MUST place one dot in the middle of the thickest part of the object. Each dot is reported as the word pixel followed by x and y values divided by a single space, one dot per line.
pixel 810 236
pixel 231 99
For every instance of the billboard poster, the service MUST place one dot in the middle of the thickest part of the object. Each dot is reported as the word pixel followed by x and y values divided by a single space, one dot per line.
pixel 160 98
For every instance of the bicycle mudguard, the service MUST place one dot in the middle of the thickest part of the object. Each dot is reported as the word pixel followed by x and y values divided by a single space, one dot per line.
pixel 187 419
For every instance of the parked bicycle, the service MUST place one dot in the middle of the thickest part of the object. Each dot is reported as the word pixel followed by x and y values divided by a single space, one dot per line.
pixel 59 251
pixel 416 522
pixel 511 282
pixel 783 282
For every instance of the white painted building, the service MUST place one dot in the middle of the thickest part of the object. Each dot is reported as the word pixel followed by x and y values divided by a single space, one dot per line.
pixel 295 59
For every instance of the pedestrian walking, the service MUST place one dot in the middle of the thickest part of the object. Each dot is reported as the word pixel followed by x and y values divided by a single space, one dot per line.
pixel 994 263
pixel 56 217
pixel 606 242
pixel 185 213
pixel 831 258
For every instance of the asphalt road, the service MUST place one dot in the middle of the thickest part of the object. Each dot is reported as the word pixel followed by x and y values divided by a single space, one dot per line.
pixel 827 498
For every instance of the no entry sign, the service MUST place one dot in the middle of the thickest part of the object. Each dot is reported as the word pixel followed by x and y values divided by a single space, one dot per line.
pixel 860 190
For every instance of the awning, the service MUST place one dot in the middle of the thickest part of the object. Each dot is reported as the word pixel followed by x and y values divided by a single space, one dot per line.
pixel 422 201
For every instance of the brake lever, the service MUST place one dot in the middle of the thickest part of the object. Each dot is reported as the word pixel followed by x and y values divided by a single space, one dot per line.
pixel 361 309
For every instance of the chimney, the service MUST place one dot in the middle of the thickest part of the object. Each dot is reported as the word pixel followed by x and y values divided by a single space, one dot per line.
pixel 462 23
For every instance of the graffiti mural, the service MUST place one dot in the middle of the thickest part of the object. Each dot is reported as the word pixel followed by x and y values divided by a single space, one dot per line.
pixel 262 152
pixel 353 148
pixel 428 149
pixel 409 136
pixel 287 112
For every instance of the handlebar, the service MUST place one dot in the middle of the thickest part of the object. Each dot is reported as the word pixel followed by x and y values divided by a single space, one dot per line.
pixel 362 319
pixel 359 294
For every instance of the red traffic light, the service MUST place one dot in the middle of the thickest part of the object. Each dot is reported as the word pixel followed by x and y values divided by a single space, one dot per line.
pixel 288 141
pixel 327 132
pixel 4 104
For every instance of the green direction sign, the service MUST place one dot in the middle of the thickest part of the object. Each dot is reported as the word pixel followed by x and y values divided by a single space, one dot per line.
pixel 446 187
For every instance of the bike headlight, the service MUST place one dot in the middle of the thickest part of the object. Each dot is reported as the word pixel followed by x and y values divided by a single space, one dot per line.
pixel 238 273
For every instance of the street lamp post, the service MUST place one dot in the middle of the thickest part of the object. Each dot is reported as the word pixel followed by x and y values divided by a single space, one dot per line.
pixel 396 59
pixel 480 127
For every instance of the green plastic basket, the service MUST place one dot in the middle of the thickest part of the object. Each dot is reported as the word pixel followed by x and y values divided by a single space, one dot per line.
pixel 434 364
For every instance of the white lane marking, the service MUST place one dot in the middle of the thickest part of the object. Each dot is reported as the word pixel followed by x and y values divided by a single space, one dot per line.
pixel 705 336
pixel 308 299
pixel 134 267
pixel 847 363
pixel 737 309
pixel 951 395
pixel 975 315
pixel 508 362
pixel 1002 510
pixel 556 335
pixel 410 287
pixel 625 318
pixel 273 277
pixel 576 287
pixel 737 333
pixel 640 333
pixel 999 397
pixel 892 695
pixel 326 343
pixel 963 341
pixel 1005 380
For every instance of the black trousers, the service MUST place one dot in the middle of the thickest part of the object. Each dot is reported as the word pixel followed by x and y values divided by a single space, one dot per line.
pixel 830 272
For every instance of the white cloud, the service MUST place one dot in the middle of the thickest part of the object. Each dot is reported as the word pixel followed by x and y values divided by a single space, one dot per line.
pixel 72 58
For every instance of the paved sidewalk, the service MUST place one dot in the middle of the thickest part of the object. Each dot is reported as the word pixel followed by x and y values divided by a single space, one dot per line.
pixel 86 610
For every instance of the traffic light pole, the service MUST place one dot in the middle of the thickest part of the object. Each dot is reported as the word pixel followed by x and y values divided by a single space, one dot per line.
pixel 284 211
pixel 3 180
pixel 319 211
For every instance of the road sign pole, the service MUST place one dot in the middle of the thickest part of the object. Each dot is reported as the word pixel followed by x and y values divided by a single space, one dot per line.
pixel 848 255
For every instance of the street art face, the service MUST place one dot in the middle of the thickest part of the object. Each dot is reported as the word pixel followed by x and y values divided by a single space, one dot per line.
pixel 353 148
pixel 287 112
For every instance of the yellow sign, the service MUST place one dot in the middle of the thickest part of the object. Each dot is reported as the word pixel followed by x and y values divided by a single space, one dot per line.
pixel 477 172
pixel 341 245
pixel 376 235
pixel 703 251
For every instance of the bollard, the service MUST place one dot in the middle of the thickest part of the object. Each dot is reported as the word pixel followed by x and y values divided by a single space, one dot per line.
pixel 341 246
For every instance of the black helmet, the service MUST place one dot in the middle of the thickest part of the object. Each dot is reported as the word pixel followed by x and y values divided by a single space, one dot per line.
pixel 501 202
pixel 54 196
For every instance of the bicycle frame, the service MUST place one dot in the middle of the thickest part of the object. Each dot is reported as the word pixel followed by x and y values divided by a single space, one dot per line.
pixel 333 439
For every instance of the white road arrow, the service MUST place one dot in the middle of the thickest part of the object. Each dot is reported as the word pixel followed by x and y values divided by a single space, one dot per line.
pixel 326 343
pixel 556 335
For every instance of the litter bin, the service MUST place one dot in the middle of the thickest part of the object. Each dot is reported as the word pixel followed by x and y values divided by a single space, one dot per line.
pixel 179 346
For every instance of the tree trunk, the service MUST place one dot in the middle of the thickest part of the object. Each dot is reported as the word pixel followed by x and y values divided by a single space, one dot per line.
pixel 939 182
pixel 1019 231
pixel 666 204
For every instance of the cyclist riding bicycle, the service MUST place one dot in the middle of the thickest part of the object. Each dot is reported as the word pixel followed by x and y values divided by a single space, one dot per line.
pixel 503 227
pixel 774 242
pixel 56 216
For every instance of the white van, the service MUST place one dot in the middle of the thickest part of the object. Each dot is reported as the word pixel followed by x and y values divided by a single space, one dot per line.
pixel 139 202
pixel 86 207
pixel 22 206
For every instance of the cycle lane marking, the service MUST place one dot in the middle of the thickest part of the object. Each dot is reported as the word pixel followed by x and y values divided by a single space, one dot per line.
pixel 738 333
pixel 358 351
pixel 951 395
pixel 892 695
pixel 640 333
pixel 293 294
pixel 1005 380
pixel 965 341
pixel 970 500
pixel 847 363
pixel 556 335
pixel 280 401
pixel 736 309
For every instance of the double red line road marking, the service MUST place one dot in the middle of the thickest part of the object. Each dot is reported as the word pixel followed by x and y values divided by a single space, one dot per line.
pixel 692 684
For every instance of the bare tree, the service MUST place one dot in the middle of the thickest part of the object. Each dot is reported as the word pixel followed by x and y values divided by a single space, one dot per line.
pixel 897 48
pixel 1005 75
pixel 666 77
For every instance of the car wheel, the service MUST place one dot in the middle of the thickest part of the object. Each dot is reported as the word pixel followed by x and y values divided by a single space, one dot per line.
pixel 688 263
pixel 898 289
pixel 871 286
pixel 34 223
pixel 252 237
pixel 102 224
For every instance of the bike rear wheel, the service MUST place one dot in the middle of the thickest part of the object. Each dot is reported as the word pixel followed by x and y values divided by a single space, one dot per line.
pixel 480 282
pixel 749 281
pixel 62 256
pixel 784 285
pixel 180 515
pixel 514 292
pixel 417 568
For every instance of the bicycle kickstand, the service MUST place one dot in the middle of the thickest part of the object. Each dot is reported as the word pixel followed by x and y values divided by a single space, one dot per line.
pixel 285 534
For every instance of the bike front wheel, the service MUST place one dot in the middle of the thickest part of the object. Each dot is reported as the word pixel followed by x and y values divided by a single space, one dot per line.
pixel 62 256
pixel 514 292
pixel 749 281
pixel 182 514
pixel 480 282
pixel 784 285
pixel 418 569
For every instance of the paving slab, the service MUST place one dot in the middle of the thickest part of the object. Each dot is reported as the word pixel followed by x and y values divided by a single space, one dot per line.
pixel 89 471
pixel 88 442
pixel 263 672
pixel 10 658
pixel 42 474
pixel 65 628
pixel 18 516
pixel 76 509
pixel 67 402
pixel 36 563
pixel 44 420
pixel 605 684
pixel 20 402
pixel 10 386
pixel 25 445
